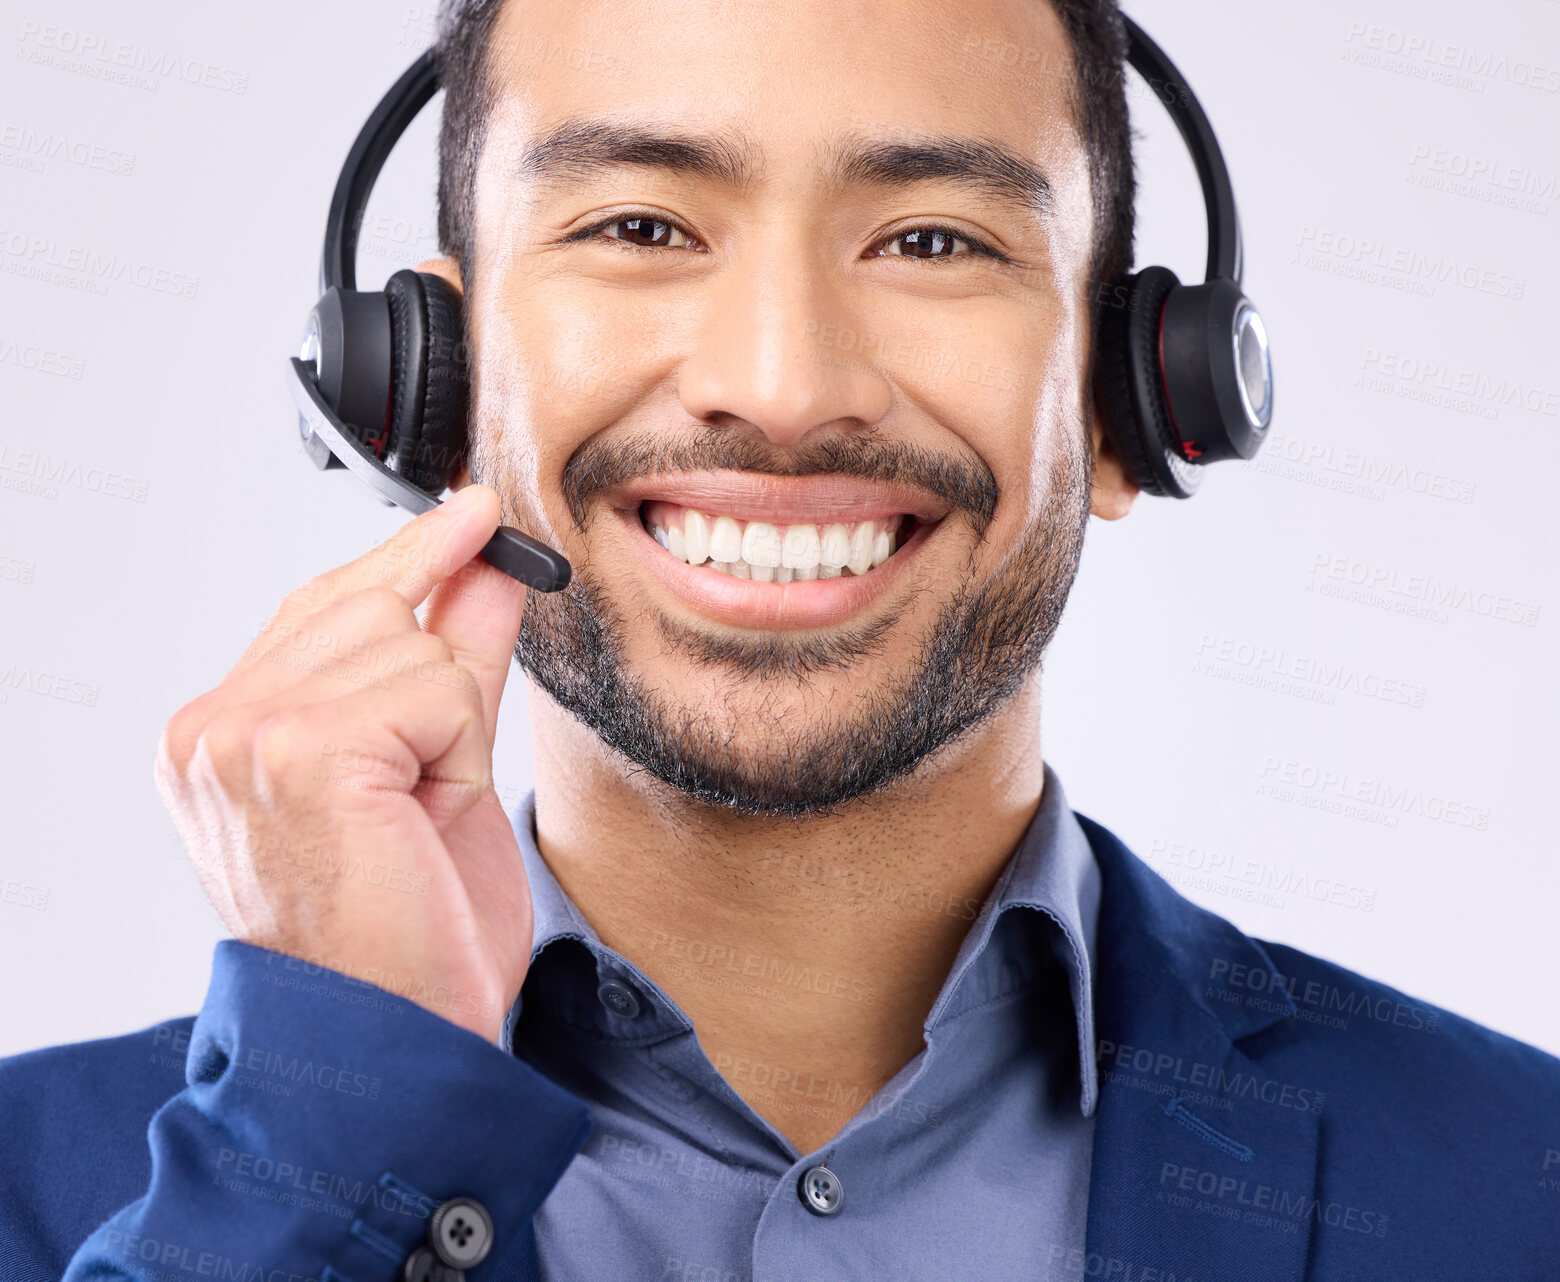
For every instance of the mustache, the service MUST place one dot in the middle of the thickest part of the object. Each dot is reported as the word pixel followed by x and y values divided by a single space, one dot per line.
pixel 964 481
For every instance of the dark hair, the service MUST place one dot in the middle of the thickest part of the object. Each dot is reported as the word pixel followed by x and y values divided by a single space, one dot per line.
pixel 1097 97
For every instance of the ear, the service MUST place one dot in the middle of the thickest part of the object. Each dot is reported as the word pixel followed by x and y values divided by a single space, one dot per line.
pixel 1114 490
pixel 447 269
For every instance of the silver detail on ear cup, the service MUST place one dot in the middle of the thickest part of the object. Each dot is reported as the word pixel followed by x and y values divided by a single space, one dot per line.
pixel 309 354
pixel 1253 366
pixel 1187 476
pixel 309 349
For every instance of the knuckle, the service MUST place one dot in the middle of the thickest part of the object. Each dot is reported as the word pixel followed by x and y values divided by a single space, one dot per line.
pixel 449 797
pixel 224 742
pixel 180 734
pixel 431 646
pixel 278 744
pixel 385 608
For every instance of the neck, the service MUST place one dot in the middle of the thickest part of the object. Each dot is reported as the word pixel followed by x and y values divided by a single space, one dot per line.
pixel 809 955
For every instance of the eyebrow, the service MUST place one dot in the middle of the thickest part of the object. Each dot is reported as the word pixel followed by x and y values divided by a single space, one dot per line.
pixel 580 149
pixel 986 167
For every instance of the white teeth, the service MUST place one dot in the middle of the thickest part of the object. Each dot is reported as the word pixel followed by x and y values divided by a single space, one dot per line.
pixel 861 548
pixel 696 536
pixel 835 551
pixel 761 545
pixel 803 549
pixel 882 547
pixel 771 553
pixel 726 539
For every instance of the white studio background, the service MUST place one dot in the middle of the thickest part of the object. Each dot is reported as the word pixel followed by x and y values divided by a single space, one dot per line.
pixel 1297 753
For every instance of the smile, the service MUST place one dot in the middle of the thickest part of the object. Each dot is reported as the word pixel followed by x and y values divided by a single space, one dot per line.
pixel 762 574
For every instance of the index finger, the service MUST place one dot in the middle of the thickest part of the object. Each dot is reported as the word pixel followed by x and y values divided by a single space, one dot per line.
pixel 479 612
pixel 420 555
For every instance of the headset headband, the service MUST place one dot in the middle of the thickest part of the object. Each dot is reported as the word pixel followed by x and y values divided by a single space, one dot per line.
pixel 412 92
pixel 395 112
pixel 1152 63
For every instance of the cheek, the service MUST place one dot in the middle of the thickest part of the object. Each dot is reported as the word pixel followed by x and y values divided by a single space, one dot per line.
pixel 1010 388
pixel 1057 399
pixel 582 352
pixel 592 342
pixel 561 361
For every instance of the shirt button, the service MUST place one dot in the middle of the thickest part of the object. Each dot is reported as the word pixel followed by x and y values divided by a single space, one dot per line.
pixel 618 998
pixel 821 1191
pixel 461 1233
pixel 422 1265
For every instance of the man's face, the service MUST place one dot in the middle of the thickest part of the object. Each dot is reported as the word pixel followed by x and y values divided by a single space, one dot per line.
pixel 785 239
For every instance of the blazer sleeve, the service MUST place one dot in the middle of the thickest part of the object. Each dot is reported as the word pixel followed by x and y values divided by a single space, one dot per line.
pixel 322 1121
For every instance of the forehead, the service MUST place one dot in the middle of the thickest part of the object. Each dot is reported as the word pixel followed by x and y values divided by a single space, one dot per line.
pixel 790 77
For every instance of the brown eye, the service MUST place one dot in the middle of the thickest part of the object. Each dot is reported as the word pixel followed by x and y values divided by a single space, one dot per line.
pixel 925 242
pixel 645 233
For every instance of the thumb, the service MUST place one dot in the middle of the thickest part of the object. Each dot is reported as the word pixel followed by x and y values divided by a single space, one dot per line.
pixel 477 611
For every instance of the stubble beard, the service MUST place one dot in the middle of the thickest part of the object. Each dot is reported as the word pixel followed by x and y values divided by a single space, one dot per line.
pixel 760 757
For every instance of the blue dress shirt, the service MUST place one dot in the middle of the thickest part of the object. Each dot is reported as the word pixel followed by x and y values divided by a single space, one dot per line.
pixel 971 1163
pixel 1259 1114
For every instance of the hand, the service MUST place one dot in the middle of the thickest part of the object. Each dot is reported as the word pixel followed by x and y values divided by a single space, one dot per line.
pixel 335 790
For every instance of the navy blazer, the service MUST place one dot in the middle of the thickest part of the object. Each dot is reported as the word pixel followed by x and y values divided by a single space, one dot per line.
pixel 1264 1115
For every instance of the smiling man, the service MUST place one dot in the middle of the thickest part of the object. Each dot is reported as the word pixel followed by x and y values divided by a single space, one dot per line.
pixel 796 963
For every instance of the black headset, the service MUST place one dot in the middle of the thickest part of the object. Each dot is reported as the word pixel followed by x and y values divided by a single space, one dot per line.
pixel 1182 375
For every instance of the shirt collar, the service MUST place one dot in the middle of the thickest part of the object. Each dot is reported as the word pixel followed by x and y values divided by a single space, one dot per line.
pixel 1053 871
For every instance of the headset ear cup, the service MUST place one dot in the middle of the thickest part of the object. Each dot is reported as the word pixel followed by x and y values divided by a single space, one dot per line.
pixel 446 399
pixel 1112 391
pixel 1129 385
pixel 428 384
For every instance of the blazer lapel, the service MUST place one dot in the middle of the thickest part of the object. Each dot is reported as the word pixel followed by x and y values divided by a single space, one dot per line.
pixel 1205 1165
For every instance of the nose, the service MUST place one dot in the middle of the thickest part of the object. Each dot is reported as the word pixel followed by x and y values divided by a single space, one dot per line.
pixel 778 348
